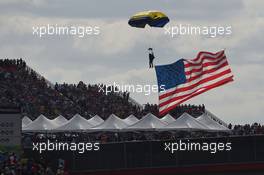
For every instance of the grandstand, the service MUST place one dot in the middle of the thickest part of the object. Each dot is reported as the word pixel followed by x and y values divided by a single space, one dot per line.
pixel 92 116
pixel 24 87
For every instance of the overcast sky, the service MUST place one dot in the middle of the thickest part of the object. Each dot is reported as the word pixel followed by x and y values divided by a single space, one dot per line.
pixel 119 54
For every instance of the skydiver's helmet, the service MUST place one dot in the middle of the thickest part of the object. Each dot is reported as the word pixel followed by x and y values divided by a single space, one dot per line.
pixel 150 49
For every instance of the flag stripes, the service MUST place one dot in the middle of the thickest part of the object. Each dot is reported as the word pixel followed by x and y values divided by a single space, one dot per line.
pixel 205 72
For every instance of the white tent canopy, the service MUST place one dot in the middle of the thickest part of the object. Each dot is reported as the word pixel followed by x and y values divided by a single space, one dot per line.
pixel 60 120
pixel 40 124
pixel 113 123
pixel 147 123
pixel 210 123
pixel 167 119
pixel 130 120
pixel 76 123
pixel 95 120
pixel 26 121
pixel 185 122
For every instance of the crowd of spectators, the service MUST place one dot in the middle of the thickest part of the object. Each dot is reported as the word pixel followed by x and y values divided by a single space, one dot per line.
pixel 247 129
pixel 194 110
pixel 94 101
pixel 15 163
pixel 21 86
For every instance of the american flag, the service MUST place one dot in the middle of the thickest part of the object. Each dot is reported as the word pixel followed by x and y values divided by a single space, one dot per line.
pixel 185 79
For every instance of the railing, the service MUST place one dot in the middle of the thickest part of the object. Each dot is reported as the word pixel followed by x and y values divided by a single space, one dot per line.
pixel 216 118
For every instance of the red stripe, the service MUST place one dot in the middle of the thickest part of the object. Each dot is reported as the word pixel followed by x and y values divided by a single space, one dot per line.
pixel 196 84
pixel 187 95
pixel 207 72
pixel 217 84
pixel 203 66
pixel 209 53
pixel 189 63
pixel 183 96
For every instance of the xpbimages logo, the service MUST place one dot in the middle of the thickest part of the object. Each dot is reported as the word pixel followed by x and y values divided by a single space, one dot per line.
pixel 59 30
pixel 80 147
pixel 213 147
pixel 188 29
pixel 146 89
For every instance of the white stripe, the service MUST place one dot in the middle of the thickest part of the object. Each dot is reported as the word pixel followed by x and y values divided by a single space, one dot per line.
pixel 196 80
pixel 200 86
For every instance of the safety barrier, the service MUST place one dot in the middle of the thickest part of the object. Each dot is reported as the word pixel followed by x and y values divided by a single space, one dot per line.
pixel 152 154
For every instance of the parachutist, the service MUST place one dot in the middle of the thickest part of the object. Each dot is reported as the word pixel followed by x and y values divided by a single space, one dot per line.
pixel 151 57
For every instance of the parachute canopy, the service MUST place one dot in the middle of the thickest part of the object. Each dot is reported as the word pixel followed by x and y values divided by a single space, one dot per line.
pixel 152 18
